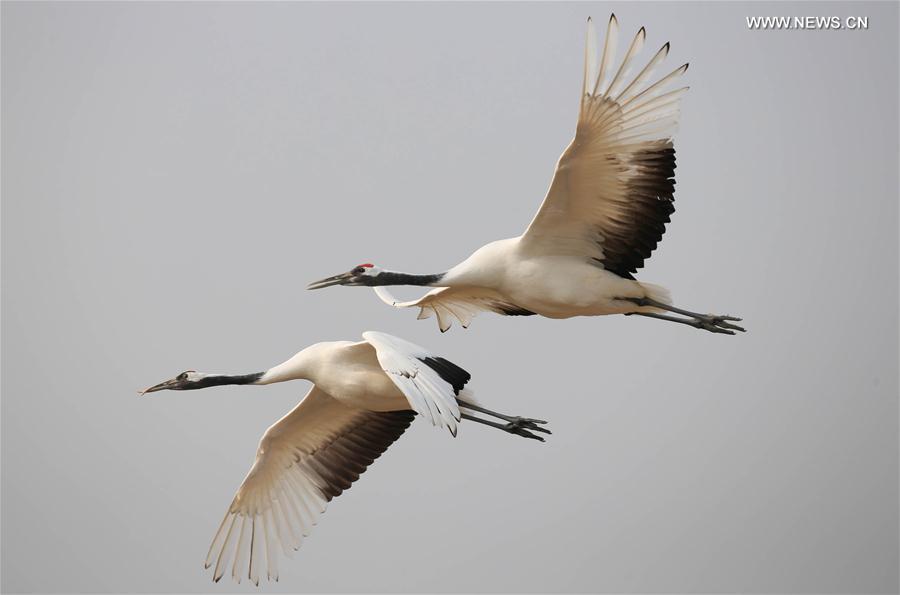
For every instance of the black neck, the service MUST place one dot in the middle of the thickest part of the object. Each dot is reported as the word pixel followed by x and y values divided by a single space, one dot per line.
pixel 219 380
pixel 392 278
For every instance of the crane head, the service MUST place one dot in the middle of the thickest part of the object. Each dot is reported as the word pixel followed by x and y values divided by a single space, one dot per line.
pixel 185 381
pixel 361 274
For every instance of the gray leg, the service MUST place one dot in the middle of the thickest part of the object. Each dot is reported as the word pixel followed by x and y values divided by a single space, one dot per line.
pixel 480 409
pixel 688 321
pixel 708 322
pixel 514 424
pixel 517 428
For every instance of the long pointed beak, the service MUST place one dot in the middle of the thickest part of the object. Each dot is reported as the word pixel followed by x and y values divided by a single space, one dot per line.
pixel 329 281
pixel 167 385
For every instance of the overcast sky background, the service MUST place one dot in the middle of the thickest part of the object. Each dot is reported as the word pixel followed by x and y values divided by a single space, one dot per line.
pixel 174 174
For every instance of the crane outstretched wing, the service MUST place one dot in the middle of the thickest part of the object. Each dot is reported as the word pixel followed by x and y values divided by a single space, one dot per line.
pixel 461 303
pixel 612 193
pixel 305 459
pixel 430 383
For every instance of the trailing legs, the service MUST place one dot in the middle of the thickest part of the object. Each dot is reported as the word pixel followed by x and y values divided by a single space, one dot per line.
pixel 708 322
pixel 521 426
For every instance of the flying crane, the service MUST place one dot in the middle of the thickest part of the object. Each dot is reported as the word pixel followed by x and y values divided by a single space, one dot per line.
pixel 365 394
pixel 604 214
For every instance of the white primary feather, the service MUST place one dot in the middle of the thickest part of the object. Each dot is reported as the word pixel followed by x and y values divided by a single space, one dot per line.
pixel 609 52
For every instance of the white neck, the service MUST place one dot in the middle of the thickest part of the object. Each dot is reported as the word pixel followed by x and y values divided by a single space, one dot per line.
pixel 296 368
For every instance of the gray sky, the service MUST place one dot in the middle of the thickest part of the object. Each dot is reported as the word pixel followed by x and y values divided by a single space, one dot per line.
pixel 174 175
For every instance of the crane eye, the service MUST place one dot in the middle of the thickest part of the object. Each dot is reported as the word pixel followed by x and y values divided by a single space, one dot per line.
pixel 182 376
pixel 358 271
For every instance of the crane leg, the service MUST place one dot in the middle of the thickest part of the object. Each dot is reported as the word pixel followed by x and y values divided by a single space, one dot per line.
pixel 481 409
pixel 514 424
pixel 709 322
pixel 520 428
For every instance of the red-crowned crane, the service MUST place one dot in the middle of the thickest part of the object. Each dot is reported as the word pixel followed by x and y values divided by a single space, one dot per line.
pixel 365 394
pixel 605 212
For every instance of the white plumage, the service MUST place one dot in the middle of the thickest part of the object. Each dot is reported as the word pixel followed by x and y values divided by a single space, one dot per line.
pixel 427 393
pixel 365 395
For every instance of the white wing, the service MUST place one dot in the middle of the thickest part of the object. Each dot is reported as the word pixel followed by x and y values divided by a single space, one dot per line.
pixel 462 303
pixel 304 460
pixel 428 382
pixel 612 193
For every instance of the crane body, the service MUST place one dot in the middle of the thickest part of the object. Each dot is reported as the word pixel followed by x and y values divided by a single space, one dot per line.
pixel 554 286
pixel 346 370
